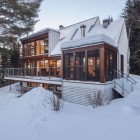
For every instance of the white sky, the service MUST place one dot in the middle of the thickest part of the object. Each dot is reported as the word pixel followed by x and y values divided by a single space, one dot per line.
pixel 66 12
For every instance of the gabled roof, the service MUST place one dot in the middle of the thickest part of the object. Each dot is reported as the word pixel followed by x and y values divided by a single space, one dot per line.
pixel 113 31
pixel 87 41
pixel 98 34
pixel 73 32
pixel 40 32
pixel 70 36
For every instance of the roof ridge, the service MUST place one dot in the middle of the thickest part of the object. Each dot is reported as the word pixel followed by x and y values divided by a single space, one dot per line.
pixel 80 22
pixel 44 29
pixel 40 32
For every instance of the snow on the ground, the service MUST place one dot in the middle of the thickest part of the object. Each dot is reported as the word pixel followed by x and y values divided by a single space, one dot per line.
pixel 6 95
pixel 31 117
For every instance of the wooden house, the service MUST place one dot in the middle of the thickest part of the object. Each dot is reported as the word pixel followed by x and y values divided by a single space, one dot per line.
pixel 78 60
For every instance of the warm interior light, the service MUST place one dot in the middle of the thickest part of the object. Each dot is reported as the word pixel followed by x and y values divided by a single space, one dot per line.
pixel 110 57
pixel 41 85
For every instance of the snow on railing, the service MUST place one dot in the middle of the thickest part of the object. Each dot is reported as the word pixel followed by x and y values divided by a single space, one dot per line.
pixel 123 83
pixel 34 72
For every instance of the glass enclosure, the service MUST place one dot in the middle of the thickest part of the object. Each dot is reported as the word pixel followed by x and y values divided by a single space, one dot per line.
pixel 93 65
pixel 43 67
pixel 37 47
pixel 79 67
pixel 89 64
pixel 110 64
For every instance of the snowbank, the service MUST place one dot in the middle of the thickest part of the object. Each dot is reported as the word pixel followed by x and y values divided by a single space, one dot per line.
pixel 20 117
pixel 38 98
pixel 30 117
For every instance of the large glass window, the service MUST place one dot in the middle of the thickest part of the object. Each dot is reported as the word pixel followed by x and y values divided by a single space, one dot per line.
pixel 36 48
pixel 29 49
pixel 41 64
pixel 42 47
pixel 110 64
pixel 29 68
pixel 80 65
pixel 52 67
pixel 26 49
pixel 93 65
pixel 47 68
pixel 76 67
pixel 46 45
pixel 32 48
pixel 42 68
pixel 69 66
pixel 58 63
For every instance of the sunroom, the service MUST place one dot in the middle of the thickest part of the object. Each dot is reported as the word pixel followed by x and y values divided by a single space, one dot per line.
pixel 90 63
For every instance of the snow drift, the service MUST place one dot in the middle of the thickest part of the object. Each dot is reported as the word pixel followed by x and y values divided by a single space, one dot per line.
pixel 31 117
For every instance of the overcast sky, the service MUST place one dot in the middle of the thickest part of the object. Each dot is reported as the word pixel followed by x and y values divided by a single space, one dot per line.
pixel 66 12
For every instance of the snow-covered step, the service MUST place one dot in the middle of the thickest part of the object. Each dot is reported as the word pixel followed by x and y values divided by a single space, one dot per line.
pixel 123 86
pixel 120 90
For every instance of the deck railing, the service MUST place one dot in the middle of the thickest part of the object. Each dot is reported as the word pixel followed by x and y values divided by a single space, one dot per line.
pixel 33 72
pixel 124 82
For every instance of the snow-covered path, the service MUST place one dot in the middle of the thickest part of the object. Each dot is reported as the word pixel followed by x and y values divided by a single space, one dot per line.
pixel 30 117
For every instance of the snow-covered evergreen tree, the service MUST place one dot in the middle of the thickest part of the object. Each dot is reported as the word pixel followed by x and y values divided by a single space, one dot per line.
pixel 131 13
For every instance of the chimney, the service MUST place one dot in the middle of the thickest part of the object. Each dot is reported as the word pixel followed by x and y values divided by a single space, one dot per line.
pixel 105 23
pixel 83 30
pixel 61 27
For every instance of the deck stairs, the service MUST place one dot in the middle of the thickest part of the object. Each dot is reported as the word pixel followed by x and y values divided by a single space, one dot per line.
pixel 123 83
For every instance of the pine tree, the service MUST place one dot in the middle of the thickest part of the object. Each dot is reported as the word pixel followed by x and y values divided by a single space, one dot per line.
pixel 17 18
pixel 131 13
pixel 4 57
pixel 15 60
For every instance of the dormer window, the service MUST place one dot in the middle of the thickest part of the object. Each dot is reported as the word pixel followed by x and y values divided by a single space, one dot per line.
pixel 83 30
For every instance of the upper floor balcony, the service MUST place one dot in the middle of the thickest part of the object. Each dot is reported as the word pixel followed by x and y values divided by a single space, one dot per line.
pixel 49 75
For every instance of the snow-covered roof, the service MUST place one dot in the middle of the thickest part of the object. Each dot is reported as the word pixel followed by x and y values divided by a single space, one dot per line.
pixel 70 36
pixel 40 32
pixel 113 31
pixel 57 50
pixel 89 40
pixel 73 32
